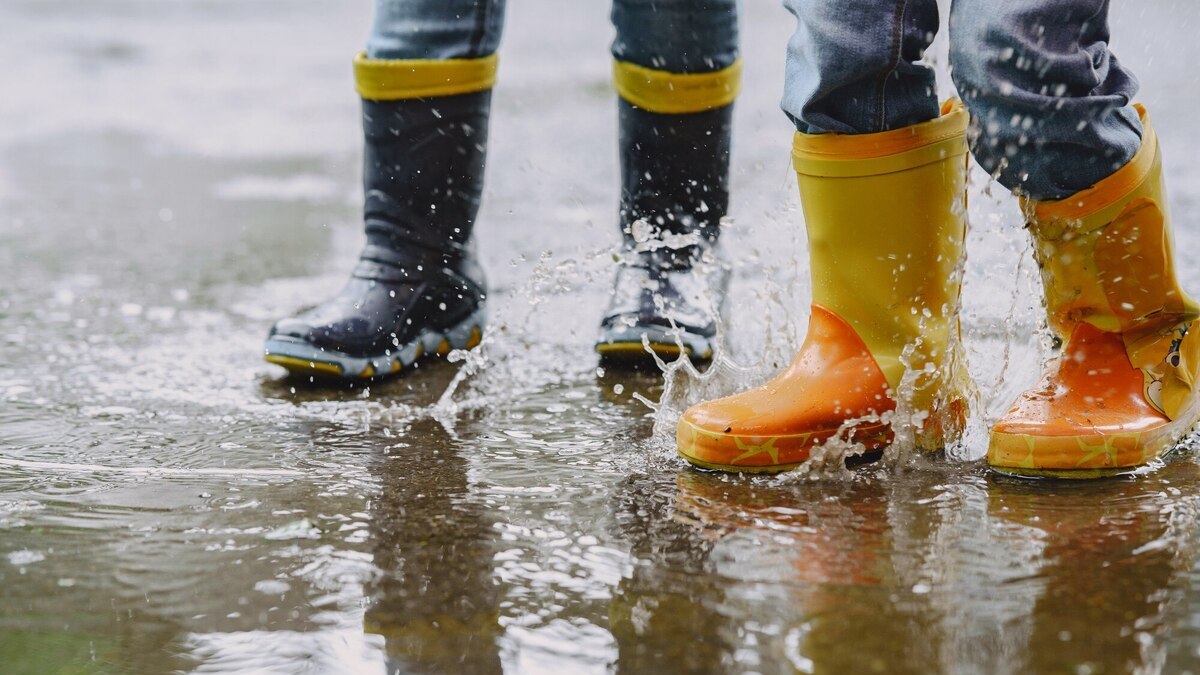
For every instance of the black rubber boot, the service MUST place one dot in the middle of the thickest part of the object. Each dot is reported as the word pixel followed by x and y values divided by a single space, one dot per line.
pixel 672 279
pixel 417 288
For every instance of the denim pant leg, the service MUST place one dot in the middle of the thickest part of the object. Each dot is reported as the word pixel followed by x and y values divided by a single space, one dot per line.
pixel 435 29
pixel 678 36
pixel 1051 103
pixel 852 65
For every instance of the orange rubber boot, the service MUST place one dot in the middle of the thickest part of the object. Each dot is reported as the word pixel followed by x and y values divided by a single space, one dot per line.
pixel 886 217
pixel 1123 390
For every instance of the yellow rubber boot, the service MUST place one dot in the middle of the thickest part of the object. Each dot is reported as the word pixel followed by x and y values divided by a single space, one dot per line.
pixel 886 217
pixel 1123 390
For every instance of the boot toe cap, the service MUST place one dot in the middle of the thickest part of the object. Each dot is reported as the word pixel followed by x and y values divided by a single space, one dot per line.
pixel 295 328
pixel 352 336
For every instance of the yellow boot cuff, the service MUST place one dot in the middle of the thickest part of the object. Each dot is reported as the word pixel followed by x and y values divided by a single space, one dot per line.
pixel 1098 204
pixel 848 155
pixel 399 79
pixel 667 93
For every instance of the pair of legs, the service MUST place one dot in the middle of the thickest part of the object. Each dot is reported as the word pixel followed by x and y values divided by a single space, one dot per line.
pixel 1049 101
pixel 426 81
pixel 882 173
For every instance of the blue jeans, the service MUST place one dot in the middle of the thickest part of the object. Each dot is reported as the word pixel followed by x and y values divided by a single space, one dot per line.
pixel 1050 103
pixel 678 36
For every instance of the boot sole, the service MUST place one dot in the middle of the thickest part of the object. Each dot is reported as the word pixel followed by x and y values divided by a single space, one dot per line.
pixel 624 347
pixel 1065 474
pixel 1063 457
pixel 302 358
pixel 851 462
pixel 872 436
pixel 729 468
pixel 635 352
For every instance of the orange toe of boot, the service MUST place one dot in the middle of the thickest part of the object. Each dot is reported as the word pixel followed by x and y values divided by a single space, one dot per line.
pixel 1088 417
pixel 832 381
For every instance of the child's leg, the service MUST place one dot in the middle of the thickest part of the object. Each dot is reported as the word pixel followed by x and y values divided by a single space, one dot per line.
pixel 435 29
pixel 426 85
pixel 1055 123
pixel 676 73
pixel 853 65
pixel 885 209
pixel 1050 100
pixel 677 37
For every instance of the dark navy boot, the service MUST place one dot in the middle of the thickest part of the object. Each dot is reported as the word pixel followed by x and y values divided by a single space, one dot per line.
pixel 671 280
pixel 417 289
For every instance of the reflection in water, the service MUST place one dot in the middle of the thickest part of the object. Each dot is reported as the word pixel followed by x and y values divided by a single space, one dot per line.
pixel 434 600
pixel 664 613
pixel 1112 549
pixel 944 572
pixel 949 570
pixel 809 572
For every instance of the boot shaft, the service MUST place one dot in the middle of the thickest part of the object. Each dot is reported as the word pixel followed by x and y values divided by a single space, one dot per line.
pixel 423 165
pixel 425 126
pixel 674 145
pixel 886 220
pixel 674 171
pixel 1106 254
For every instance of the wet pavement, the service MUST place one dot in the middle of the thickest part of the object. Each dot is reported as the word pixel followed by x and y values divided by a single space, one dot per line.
pixel 176 175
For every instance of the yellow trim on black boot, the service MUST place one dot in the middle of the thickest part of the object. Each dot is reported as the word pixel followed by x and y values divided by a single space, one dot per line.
pixel 667 93
pixel 399 79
